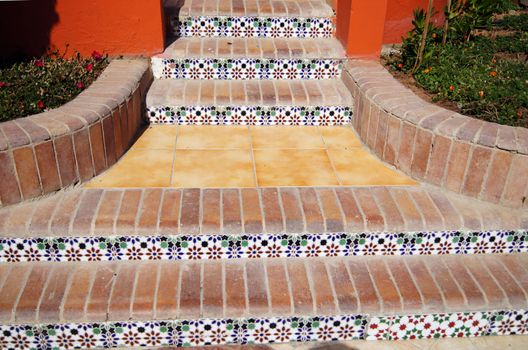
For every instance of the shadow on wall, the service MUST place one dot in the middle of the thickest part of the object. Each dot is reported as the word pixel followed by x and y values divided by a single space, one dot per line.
pixel 25 27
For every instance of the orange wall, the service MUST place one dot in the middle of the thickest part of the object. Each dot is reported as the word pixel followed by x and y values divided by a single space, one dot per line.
pixel 400 14
pixel 116 27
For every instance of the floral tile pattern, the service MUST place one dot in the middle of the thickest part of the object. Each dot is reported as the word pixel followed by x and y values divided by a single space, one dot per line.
pixel 378 327
pixel 245 69
pixel 250 115
pixel 511 322
pixel 262 27
pixel 182 333
pixel 182 247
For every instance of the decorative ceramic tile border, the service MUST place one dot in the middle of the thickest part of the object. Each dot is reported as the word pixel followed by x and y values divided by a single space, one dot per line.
pixel 262 27
pixel 511 322
pixel 250 115
pixel 183 333
pixel 246 69
pixel 181 247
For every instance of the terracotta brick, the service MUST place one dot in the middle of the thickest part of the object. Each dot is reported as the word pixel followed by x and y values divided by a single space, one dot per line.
pixel 189 305
pixel 364 286
pixel 9 191
pixel 18 220
pixel 11 289
pixel 126 220
pixel 61 221
pixel 422 152
pixel 517 183
pixel 145 291
pixel 470 129
pixel 121 295
pixel 488 135
pixel 452 219
pixel 170 212
pixel 47 166
pixel 473 294
pixel 392 145
pixel 372 126
pixel 52 296
pixel 85 216
pixel 347 298
pixel 437 163
pixel 498 171
pixel 27 307
pixel 381 135
pixel 514 292
pixel 410 213
pixel 292 210
pixel 353 217
pixel 107 213
pixel 278 287
pixel 76 297
pixel 456 166
pixel 98 151
pixel 312 211
pixel 411 298
pixel 190 211
pixel 303 302
pixel 373 215
pixel 406 149
pixel 232 221
pixel 515 267
pixel 109 141
pixel 168 290
pixel 452 295
pixel 322 288
pixel 148 217
pixel 235 289
pixel 15 135
pixel 41 218
pixel 432 299
pixel 118 138
pixel 493 293
pixel 387 290
pixel 212 216
pixel 258 302
pixel 331 210
pixel 477 167
pixel 66 159
pixel 213 289
pixel 272 210
pixel 431 215
pixel 125 132
pixel 390 209
pixel 98 302
pixel 252 212
pixel 83 154
pixel 27 172
pixel 470 215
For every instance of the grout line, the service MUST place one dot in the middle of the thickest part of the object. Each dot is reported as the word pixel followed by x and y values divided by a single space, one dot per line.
pixel 174 156
pixel 327 151
pixel 254 163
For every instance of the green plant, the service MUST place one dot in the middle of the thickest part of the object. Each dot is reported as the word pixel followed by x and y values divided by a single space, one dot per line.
pixel 34 86
pixel 519 22
pixel 465 16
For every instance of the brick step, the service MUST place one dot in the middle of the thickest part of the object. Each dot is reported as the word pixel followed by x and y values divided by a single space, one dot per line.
pixel 250 102
pixel 168 224
pixel 250 58
pixel 134 304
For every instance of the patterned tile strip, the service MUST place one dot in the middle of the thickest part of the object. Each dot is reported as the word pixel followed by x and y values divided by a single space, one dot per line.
pixel 262 27
pixel 182 247
pixel 249 115
pixel 182 333
pixel 245 69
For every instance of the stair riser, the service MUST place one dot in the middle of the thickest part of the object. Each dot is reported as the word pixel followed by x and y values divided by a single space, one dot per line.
pixel 201 332
pixel 245 27
pixel 246 69
pixel 256 246
pixel 250 115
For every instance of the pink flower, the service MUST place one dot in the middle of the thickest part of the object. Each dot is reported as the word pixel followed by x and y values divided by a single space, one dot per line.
pixel 39 63
pixel 96 55
pixel 40 104
pixel 80 85
pixel 89 67
pixel 3 84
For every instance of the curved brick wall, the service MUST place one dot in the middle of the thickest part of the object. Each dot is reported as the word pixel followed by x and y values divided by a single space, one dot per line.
pixel 45 152
pixel 461 154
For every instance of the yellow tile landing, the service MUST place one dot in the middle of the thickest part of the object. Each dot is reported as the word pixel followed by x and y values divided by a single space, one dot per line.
pixel 241 156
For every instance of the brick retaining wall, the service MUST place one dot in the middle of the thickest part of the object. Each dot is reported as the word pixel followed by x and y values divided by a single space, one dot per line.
pixel 465 155
pixel 43 153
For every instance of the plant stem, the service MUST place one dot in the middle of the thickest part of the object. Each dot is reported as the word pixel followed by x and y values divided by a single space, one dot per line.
pixel 419 57
pixel 446 24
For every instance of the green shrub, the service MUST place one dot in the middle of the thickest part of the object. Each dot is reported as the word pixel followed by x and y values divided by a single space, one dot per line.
pixel 515 22
pixel 34 86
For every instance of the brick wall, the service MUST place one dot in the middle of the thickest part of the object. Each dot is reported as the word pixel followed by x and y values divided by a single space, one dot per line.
pixel 43 153
pixel 475 158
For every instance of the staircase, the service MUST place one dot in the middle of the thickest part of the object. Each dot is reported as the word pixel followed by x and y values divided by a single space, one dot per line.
pixel 153 267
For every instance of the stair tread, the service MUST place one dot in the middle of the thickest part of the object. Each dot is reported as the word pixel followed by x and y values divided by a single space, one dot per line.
pixel 174 92
pixel 254 8
pixel 164 290
pixel 254 48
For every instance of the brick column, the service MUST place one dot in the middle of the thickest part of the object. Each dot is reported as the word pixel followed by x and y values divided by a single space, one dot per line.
pixel 360 26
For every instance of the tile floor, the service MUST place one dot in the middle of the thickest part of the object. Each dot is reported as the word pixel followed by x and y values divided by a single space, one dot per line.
pixel 241 156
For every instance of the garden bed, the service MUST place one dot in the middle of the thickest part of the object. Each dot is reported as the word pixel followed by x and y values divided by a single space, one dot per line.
pixel 34 86
pixel 485 76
